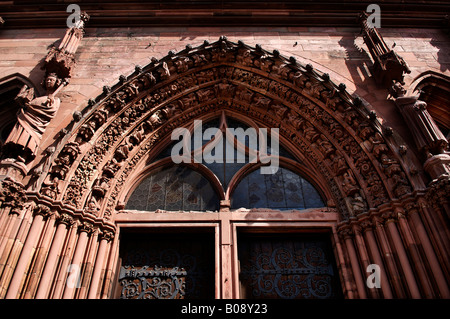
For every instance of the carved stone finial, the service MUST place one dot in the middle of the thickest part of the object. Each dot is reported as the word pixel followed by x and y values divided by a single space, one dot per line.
pixel 388 65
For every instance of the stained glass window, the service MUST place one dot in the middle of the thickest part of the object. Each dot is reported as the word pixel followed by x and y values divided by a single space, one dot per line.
pixel 181 188
pixel 283 190
pixel 174 189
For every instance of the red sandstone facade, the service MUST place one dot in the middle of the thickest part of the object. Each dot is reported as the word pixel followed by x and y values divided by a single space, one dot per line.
pixel 382 170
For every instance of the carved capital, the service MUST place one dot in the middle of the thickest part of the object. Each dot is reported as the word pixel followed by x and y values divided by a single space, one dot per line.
pixel 12 195
pixel 377 221
pixel 356 228
pixel 366 224
pixel 65 219
pixel 86 227
pixel 42 210
pixel 437 193
pixel 107 235
pixel 390 216
pixel 345 231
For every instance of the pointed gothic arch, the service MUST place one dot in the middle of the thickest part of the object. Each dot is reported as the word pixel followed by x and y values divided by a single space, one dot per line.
pixel 333 133
pixel 376 203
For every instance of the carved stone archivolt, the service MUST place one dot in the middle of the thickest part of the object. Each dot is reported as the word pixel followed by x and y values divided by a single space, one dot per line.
pixel 338 137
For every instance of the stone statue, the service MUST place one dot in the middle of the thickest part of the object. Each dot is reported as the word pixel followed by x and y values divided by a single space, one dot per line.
pixel 33 119
pixel 427 136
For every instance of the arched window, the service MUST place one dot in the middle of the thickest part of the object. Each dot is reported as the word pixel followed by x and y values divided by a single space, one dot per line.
pixel 283 190
pixel 227 158
pixel 174 189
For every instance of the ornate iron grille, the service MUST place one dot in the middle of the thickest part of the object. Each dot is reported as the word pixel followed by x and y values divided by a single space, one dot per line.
pixel 287 269
pixel 166 268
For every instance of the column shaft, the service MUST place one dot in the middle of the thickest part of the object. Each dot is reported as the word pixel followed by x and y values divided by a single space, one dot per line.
pixel 50 265
pixel 98 268
pixel 433 261
pixel 385 286
pixel 390 262
pixel 25 257
pixel 77 259
pixel 354 262
pixel 406 267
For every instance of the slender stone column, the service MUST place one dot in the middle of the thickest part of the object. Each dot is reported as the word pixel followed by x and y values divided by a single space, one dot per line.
pixel 12 250
pixel 49 270
pixel 226 253
pixel 437 233
pixel 100 262
pixel 11 253
pixel 111 268
pixel 4 216
pixel 12 199
pixel 403 258
pixel 6 227
pixel 35 270
pixel 7 236
pixel 84 231
pixel 342 265
pixel 87 265
pixel 64 260
pixel 415 256
pixel 430 254
pixel 12 202
pixel 354 263
pixel 363 255
pixel 41 212
pixel 375 253
pixel 389 258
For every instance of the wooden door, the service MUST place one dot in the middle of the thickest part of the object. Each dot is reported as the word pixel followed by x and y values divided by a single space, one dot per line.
pixel 287 266
pixel 166 266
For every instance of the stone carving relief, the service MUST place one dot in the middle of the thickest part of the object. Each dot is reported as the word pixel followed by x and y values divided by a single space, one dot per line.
pixel 32 120
pixel 427 136
pixel 12 195
pixel 316 116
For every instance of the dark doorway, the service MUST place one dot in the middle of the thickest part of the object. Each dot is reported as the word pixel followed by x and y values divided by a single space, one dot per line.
pixel 287 266
pixel 167 265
